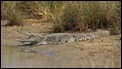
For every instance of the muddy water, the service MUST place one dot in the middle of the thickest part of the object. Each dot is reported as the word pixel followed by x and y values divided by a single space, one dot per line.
pixel 13 57
pixel 22 57
pixel 29 57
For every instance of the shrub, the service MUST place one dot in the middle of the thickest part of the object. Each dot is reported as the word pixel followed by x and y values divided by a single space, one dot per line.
pixel 13 15
pixel 83 15
pixel 68 16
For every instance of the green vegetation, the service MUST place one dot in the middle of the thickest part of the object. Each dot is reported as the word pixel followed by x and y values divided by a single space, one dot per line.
pixel 67 16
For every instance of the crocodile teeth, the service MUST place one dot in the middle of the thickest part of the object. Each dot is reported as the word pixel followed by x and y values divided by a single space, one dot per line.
pixel 84 39
pixel 44 42
pixel 80 39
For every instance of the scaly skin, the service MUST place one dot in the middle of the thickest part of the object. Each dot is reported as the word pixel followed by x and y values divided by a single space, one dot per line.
pixel 59 38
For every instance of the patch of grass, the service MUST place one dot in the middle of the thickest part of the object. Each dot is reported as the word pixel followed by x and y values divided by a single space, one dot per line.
pixel 68 16
pixel 12 14
pixel 83 15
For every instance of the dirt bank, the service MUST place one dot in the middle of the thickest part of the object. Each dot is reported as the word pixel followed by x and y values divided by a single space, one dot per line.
pixel 102 52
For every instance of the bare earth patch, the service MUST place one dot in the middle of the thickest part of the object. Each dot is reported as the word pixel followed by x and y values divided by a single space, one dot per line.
pixel 104 52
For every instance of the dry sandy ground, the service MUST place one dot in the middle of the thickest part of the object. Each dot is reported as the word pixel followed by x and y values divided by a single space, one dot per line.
pixel 104 52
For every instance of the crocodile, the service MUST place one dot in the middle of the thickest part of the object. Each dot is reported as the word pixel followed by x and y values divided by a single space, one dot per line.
pixel 59 38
